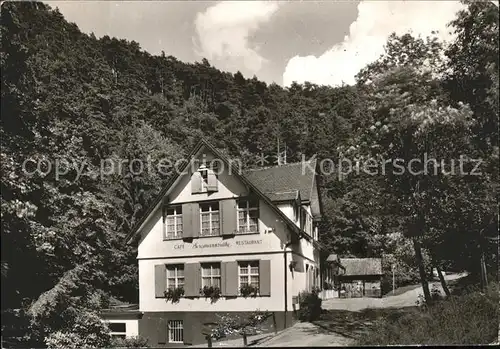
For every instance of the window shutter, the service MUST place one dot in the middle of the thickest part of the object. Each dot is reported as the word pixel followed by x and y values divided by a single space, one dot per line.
pixel 190 220
pixel 193 279
pixel 160 280
pixel 230 278
pixel 164 220
pixel 265 277
pixel 162 331
pixel 195 219
pixel 229 216
pixel 196 186
pixel 307 277
pixel 212 181
pixel 223 279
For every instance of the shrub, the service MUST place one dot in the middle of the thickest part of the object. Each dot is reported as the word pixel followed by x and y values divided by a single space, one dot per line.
pixel 131 342
pixel 310 305
pixel 88 331
pixel 242 325
pixel 467 319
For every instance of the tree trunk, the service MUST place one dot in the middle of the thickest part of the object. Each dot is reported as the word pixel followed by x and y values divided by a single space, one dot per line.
pixel 245 339
pixel 209 341
pixel 443 282
pixel 484 277
pixel 421 270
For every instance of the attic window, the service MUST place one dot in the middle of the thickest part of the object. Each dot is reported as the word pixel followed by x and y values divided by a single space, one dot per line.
pixel 204 180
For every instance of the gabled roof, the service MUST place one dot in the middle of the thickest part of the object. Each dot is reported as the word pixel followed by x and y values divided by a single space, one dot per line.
pixel 361 266
pixel 283 196
pixel 285 178
pixel 235 171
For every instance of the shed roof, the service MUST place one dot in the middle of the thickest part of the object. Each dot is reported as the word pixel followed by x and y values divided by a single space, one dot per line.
pixel 362 266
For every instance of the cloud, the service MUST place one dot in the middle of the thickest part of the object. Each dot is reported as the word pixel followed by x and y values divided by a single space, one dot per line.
pixel 367 35
pixel 223 32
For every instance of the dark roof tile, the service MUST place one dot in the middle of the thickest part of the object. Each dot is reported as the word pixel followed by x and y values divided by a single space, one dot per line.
pixel 283 196
pixel 284 178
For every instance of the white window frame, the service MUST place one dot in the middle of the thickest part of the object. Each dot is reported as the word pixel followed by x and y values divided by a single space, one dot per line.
pixel 204 178
pixel 117 334
pixel 247 211
pixel 177 216
pixel 211 276
pixel 248 274
pixel 210 165
pixel 176 277
pixel 175 330
pixel 210 213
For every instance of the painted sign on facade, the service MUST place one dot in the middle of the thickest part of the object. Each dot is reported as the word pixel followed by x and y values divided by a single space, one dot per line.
pixel 227 244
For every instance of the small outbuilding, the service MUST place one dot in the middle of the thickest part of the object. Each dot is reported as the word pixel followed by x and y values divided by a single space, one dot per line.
pixel 360 277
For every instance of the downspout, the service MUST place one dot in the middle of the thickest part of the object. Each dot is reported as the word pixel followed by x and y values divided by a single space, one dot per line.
pixel 288 244
pixel 286 281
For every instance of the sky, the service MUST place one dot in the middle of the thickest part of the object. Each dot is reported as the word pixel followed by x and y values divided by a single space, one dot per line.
pixel 323 42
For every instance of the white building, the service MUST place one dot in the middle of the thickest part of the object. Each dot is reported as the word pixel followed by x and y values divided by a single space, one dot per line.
pixel 214 225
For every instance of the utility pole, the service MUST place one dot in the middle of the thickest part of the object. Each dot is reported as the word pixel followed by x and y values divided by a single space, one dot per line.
pixel 393 280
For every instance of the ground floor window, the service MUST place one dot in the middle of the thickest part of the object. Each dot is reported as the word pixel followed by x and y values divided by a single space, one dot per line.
pixel 210 275
pixel 175 276
pixel 175 331
pixel 117 329
pixel 249 273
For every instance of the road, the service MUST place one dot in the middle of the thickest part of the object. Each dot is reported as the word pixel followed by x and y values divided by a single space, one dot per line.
pixel 346 325
pixel 343 330
pixel 406 299
pixel 305 334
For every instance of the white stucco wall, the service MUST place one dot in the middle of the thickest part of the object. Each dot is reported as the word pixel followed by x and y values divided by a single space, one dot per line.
pixel 274 302
pixel 154 246
pixel 268 244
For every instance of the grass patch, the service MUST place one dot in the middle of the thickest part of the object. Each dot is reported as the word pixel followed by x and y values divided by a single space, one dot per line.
pixel 470 318
pixel 357 324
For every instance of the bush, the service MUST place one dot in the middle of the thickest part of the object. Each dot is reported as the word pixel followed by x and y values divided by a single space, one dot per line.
pixel 236 324
pixel 88 331
pixel 468 319
pixel 131 342
pixel 310 305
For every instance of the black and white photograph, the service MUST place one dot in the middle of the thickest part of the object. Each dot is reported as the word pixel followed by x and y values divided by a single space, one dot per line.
pixel 297 173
